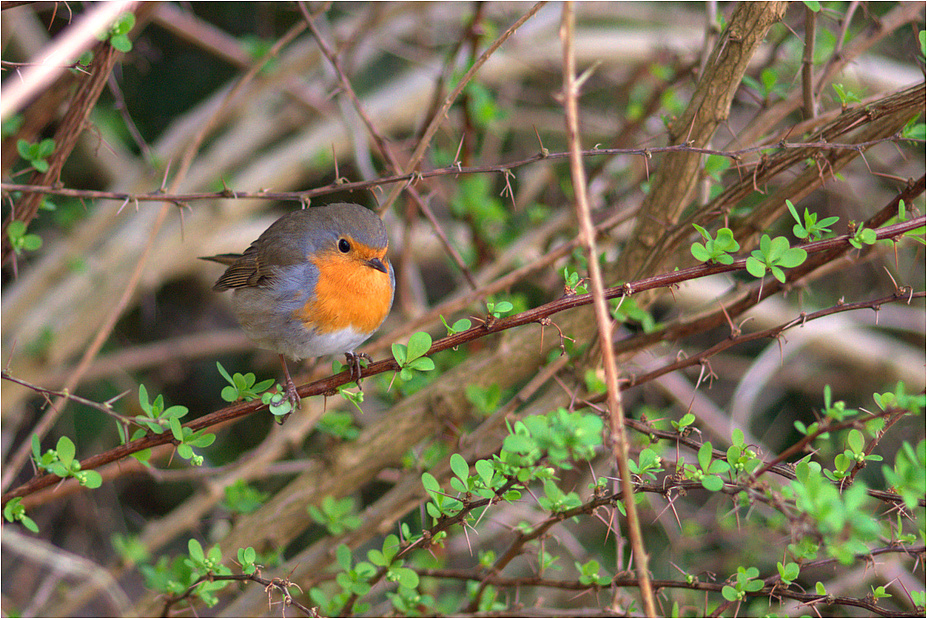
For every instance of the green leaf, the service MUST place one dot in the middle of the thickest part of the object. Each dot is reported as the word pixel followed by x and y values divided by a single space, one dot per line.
pixel 789 572
pixel 390 547
pixel 91 479
pixel 855 441
pixel 406 577
pixel 66 450
pixel 517 443
pixel 196 550
pixel 459 466
pixel 202 439
pixel 247 555
pixel 32 242
pixel 775 248
pixel 503 307
pixel 16 229
pixel 123 24
pixel 705 234
pixel 36 447
pixel 263 386
pixel 11 125
pixel 422 364
pixel 777 273
pixel 419 343
pixel 485 470
pixel 121 43
pixel 176 428
pixel 737 437
pixel 399 354
pixel 755 267
pixel 343 556
pixel 376 557
pixel 704 455
pixel 24 148
pixel 792 257
pixel 45 148
pixel 29 523
pixel 700 253
pixel 143 399
pixel 715 165
pixel 791 207
pixel 58 469
pixel 430 483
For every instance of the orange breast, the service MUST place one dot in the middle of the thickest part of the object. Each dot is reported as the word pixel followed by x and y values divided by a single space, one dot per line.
pixel 349 293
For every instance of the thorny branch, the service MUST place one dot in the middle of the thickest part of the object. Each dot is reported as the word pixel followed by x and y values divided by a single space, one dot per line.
pixel 451 170
pixel 329 384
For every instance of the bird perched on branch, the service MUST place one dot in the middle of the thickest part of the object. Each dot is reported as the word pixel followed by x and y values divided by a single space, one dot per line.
pixel 316 282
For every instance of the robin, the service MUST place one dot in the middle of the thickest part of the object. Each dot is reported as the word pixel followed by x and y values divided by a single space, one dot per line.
pixel 316 282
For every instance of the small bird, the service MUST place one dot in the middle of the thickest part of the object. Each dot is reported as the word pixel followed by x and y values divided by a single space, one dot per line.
pixel 316 282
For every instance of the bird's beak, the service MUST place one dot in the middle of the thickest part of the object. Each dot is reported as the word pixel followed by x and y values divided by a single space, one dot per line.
pixel 376 263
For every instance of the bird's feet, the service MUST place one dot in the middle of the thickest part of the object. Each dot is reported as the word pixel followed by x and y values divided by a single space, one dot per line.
pixel 289 390
pixel 354 366
pixel 291 394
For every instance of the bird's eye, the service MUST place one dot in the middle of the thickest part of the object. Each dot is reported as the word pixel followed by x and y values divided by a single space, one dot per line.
pixel 344 246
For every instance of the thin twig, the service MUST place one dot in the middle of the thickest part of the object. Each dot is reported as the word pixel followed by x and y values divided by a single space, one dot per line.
pixel 384 148
pixel 429 133
pixel 616 418
pixel 451 170
pixel 104 407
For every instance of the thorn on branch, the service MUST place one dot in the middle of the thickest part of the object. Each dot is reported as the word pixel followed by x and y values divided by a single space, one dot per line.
pixel 735 329
pixel 226 192
pixel 546 322
pixel 544 152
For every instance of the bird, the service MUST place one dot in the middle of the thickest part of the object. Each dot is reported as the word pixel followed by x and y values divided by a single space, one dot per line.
pixel 317 282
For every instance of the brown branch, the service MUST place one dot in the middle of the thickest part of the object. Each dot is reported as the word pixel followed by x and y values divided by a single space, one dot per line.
pixel 675 180
pixel 898 296
pixel 751 297
pixel 770 590
pixel 886 115
pixel 104 407
pixel 616 417
pixel 807 64
pixel 451 170
pixel 329 384
pixel 72 125
pixel 279 584
pixel 879 28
